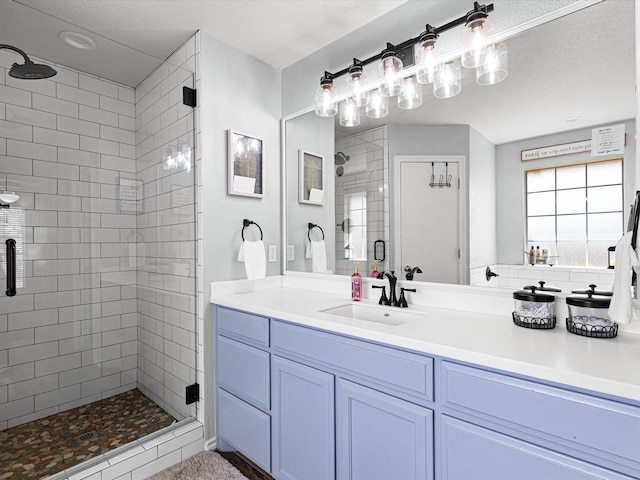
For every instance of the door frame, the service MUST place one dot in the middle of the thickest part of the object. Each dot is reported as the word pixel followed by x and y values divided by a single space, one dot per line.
pixel 396 221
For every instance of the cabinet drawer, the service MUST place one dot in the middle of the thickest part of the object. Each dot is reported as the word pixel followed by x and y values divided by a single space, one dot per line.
pixel 245 427
pixel 244 371
pixel 243 326
pixel 592 425
pixel 469 451
pixel 402 371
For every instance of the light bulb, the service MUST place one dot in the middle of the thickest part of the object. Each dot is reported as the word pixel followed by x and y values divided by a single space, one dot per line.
pixel 495 66
pixel 427 56
pixel 390 68
pixel 356 82
pixel 474 38
pixel 411 96
pixel 378 106
pixel 447 81
pixel 349 113
pixel 326 103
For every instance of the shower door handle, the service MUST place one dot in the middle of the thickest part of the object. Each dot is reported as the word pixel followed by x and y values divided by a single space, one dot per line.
pixel 11 267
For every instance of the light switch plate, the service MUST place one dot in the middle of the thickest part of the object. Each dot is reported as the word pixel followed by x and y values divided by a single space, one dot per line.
pixel 273 253
pixel 290 253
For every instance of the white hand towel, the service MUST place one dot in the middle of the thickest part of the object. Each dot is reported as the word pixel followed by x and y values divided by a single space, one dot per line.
pixel 318 256
pixel 621 307
pixel 254 258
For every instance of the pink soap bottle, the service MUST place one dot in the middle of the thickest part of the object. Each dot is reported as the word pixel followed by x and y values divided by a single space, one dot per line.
pixel 356 285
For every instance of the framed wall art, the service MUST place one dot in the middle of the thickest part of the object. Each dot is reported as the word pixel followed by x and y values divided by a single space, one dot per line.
pixel 245 164
pixel 311 183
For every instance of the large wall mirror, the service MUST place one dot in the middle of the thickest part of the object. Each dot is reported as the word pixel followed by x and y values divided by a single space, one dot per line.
pixel 442 187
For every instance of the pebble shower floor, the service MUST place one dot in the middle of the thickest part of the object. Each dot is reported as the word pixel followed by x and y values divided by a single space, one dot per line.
pixel 46 446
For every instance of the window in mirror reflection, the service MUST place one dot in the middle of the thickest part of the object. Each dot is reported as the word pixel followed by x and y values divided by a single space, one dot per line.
pixel 575 212
pixel 355 237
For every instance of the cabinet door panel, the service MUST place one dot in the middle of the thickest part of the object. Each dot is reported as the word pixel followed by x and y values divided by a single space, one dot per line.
pixel 303 422
pixel 381 437
pixel 472 452
pixel 245 427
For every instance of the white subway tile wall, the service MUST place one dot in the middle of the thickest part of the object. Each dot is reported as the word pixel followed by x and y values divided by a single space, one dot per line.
pixel 109 300
pixel 166 230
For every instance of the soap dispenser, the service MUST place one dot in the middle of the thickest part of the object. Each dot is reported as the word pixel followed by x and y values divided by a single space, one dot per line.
pixel 375 273
pixel 356 285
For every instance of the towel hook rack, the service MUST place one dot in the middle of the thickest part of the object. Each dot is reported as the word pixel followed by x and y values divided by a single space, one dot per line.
pixel 246 223
pixel 312 226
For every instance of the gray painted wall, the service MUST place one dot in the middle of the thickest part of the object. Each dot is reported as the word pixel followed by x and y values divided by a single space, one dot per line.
pixel 510 182
pixel 239 92
pixel 313 134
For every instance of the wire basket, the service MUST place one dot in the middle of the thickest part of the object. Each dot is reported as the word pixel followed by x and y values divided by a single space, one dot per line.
pixel 594 327
pixel 537 323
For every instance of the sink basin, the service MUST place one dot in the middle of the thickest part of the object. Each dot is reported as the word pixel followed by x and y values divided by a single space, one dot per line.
pixel 374 313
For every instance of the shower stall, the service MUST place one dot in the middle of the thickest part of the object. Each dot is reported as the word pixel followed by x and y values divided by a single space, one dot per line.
pixel 98 255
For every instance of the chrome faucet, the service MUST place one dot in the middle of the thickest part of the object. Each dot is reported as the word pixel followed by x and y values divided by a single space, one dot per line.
pixel 393 299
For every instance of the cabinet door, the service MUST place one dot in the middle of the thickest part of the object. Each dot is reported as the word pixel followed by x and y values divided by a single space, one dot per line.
pixel 381 437
pixel 472 452
pixel 303 445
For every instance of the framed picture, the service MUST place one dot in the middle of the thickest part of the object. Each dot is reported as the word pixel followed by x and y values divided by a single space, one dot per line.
pixel 311 169
pixel 245 165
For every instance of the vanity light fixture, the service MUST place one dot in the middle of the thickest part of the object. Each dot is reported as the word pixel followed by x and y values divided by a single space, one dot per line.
pixel 326 98
pixel 356 83
pixel 444 71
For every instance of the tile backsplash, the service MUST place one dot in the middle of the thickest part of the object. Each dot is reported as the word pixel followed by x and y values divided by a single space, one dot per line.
pixel 564 278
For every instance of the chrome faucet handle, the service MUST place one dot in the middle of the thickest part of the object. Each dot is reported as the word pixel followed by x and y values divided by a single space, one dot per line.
pixel 383 298
pixel 402 303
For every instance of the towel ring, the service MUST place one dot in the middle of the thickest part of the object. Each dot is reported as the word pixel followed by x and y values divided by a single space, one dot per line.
pixel 311 226
pixel 246 223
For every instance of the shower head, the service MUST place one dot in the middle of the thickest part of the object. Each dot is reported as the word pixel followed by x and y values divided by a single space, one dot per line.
pixel 28 70
pixel 341 158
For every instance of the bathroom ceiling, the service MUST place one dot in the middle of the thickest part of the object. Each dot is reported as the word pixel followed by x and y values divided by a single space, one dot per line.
pixel 134 36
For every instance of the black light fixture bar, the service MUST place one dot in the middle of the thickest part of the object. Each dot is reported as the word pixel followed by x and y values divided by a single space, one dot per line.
pixel 412 41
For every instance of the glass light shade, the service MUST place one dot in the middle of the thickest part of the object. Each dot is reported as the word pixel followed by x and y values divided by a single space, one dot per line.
pixel 448 80
pixel 495 66
pixel 411 96
pixel 326 103
pixel 356 82
pixel 349 113
pixel 474 41
pixel 390 69
pixel 9 197
pixel 378 106
pixel 427 61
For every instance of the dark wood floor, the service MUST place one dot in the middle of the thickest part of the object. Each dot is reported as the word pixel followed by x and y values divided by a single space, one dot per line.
pixel 246 466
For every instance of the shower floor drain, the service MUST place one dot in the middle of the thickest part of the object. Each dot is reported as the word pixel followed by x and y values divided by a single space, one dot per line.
pixel 92 435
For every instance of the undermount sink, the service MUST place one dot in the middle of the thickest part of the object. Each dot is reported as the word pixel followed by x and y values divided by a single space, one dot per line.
pixel 373 313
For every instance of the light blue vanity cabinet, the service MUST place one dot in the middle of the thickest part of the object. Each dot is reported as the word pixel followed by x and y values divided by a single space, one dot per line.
pixel 308 404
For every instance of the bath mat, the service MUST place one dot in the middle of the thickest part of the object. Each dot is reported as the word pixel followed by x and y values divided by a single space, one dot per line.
pixel 202 466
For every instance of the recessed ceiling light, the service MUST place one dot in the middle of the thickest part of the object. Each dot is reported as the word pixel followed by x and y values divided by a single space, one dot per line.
pixel 77 40
pixel 572 119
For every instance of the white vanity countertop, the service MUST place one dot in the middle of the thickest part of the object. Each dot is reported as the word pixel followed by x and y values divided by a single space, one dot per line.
pixel 610 366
